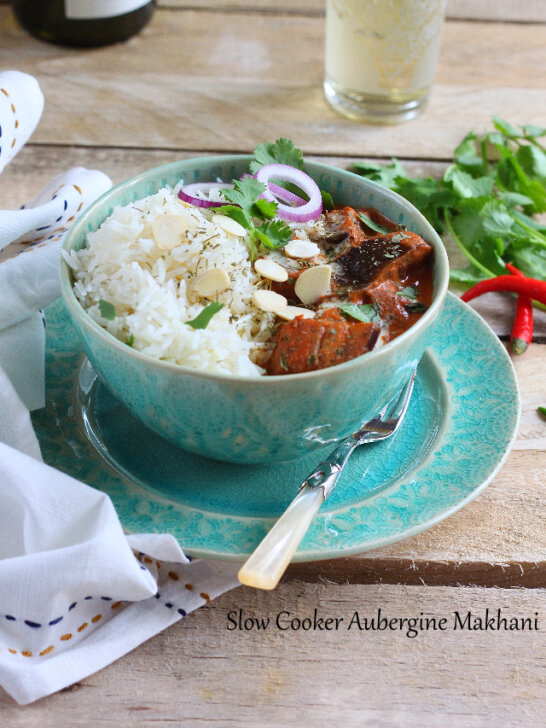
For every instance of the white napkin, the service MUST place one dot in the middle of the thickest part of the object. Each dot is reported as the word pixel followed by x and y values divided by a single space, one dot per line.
pixel 73 596
pixel 29 278
pixel 21 106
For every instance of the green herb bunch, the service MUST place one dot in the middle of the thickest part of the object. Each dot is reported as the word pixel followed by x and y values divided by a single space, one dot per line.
pixel 486 200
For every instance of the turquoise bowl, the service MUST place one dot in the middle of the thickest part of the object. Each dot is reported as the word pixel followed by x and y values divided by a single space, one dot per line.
pixel 266 419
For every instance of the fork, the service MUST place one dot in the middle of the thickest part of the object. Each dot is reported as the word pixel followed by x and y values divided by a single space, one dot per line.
pixel 265 566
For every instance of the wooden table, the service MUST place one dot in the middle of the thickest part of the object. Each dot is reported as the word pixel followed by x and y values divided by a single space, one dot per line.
pixel 221 77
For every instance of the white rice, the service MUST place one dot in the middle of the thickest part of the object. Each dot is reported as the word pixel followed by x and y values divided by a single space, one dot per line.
pixel 148 287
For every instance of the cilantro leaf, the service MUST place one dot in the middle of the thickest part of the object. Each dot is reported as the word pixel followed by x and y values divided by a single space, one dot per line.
pixel 274 234
pixel 366 219
pixel 130 341
pixel 408 292
pixel 237 214
pixel 266 208
pixel 386 175
pixel 107 310
pixel 530 130
pixel 365 312
pixel 542 411
pixel 283 151
pixel 466 156
pixel 506 128
pixel 531 261
pixel 327 200
pixel 466 277
pixel 465 185
pixel 513 199
pixel 202 320
pixel 533 162
pixel 245 192
pixel 247 204
pixel 428 196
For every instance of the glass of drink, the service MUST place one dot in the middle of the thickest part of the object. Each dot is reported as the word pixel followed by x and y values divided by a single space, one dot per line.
pixel 381 56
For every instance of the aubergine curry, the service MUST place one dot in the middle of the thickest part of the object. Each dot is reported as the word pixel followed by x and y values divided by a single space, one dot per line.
pixel 381 284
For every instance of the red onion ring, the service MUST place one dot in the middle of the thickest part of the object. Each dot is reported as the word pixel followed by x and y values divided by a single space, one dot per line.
pixel 303 213
pixel 286 196
pixel 187 193
pixel 280 192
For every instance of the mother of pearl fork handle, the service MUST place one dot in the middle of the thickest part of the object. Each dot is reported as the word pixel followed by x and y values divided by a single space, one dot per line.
pixel 265 566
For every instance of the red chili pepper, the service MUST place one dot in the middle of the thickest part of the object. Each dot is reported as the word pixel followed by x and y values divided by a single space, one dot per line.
pixel 531 287
pixel 522 330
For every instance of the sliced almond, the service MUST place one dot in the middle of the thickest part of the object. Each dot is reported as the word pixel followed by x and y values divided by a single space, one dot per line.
pixel 290 312
pixel 168 231
pixel 229 225
pixel 271 270
pixel 269 301
pixel 302 249
pixel 210 282
pixel 313 283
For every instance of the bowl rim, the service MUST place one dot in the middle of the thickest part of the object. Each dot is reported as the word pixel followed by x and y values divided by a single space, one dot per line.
pixel 77 310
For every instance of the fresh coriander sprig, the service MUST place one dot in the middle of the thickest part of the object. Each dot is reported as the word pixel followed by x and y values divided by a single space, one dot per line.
pixel 283 151
pixel 486 200
pixel 247 207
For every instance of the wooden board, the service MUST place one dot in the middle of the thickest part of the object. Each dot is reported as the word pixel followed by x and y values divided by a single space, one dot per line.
pixel 199 673
pixel 198 80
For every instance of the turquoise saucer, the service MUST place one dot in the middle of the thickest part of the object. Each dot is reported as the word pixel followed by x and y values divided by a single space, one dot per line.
pixel 461 423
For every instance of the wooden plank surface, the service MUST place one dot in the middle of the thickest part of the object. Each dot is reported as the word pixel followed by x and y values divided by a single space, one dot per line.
pixel 199 80
pixel 520 11
pixel 199 673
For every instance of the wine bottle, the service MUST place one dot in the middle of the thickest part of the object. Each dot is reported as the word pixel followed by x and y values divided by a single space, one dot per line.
pixel 83 23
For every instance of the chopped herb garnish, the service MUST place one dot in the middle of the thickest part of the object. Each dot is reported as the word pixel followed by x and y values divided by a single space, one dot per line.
pixel 408 292
pixel 130 341
pixel 283 362
pixel 327 200
pixel 365 312
pixel 107 310
pixel 202 320
pixel 542 411
pixel 376 227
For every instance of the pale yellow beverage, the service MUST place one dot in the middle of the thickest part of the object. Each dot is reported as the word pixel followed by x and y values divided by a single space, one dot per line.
pixel 381 56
